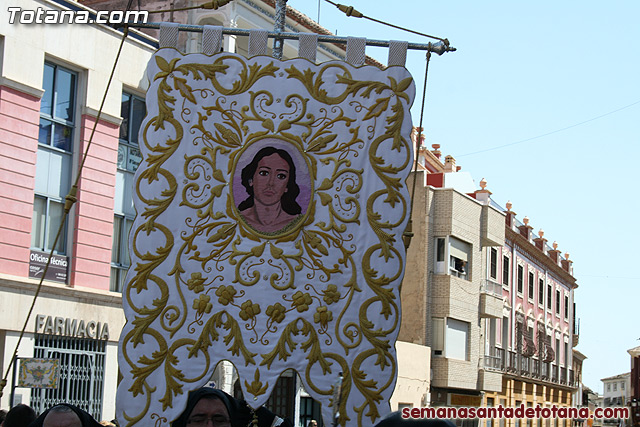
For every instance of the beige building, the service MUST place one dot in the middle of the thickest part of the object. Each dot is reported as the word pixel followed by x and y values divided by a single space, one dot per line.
pixel 491 299
pixel 616 393
pixel 445 297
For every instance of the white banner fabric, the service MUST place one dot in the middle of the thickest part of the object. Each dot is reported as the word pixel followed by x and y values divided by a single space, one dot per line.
pixel 271 204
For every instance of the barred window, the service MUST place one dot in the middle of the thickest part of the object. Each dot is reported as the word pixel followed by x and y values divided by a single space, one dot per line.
pixel 82 364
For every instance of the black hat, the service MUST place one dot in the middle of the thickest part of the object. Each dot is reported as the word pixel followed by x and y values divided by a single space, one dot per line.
pixel 240 413
pixel 85 418
pixel 194 398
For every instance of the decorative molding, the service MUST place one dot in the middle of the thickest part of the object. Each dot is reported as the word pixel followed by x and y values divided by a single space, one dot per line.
pixel 21 285
pixel 536 255
pixel 21 87
pixel 88 111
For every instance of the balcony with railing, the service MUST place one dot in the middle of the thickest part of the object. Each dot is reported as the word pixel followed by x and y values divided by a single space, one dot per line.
pixel 512 363
pixel 495 359
pixel 576 329
pixel 563 375
pixel 491 299
pixel 572 379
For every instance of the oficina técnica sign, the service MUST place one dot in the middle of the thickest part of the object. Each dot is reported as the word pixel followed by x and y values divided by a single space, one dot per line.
pixel 71 327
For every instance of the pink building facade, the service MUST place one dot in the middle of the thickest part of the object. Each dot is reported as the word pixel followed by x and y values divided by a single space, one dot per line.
pixel 52 82
pixel 532 344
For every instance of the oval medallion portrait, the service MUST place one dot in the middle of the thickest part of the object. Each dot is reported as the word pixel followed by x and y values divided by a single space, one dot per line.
pixel 271 186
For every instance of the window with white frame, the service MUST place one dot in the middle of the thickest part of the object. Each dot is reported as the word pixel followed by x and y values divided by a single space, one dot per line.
pixel 120 260
pixel 558 302
pixel 54 158
pixel 456 340
pixel 505 271
pixel 453 257
pixel 459 258
pixel 541 292
pixel 531 285
pixel 132 110
pixel 566 307
pixel 549 296
pixel 47 217
pixel 57 107
pixel 493 263
pixel 520 278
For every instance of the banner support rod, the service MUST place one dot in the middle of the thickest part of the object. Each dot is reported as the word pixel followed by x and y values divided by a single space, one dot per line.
pixel 437 48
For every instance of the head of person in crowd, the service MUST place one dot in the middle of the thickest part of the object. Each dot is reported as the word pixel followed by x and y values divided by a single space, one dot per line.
pixel 65 415
pixel 20 415
pixel 3 414
pixel 207 406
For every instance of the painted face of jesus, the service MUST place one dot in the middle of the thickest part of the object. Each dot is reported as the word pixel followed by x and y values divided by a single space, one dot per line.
pixel 270 180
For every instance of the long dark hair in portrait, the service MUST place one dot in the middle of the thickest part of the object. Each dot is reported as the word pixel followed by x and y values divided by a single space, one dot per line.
pixel 288 200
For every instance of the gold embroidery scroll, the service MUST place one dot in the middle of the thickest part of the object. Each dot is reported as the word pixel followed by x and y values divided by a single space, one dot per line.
pixel 270 207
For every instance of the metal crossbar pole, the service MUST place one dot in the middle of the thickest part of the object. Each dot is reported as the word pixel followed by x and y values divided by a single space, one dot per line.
pixel 281 15
pixel 438 47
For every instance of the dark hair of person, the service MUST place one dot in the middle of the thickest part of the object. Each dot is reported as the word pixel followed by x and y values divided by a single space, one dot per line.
pixel 20 415
pixel 288 200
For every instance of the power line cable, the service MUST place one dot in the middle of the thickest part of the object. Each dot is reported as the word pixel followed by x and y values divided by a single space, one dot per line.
pixel 214 4
pixel 549 133
pixel 350 11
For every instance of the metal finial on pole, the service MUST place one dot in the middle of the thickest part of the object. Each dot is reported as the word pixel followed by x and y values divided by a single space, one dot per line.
pixel 281 14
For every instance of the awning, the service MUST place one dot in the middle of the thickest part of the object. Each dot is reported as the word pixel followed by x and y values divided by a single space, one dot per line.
pixel 458 249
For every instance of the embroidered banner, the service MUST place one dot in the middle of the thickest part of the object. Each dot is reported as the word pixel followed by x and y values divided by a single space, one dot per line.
pixel 271 203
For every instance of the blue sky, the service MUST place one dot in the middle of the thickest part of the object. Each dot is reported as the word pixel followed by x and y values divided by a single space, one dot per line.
pixel 542 99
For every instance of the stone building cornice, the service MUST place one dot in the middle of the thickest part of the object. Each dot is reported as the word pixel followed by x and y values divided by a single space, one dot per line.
pixel 531 250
